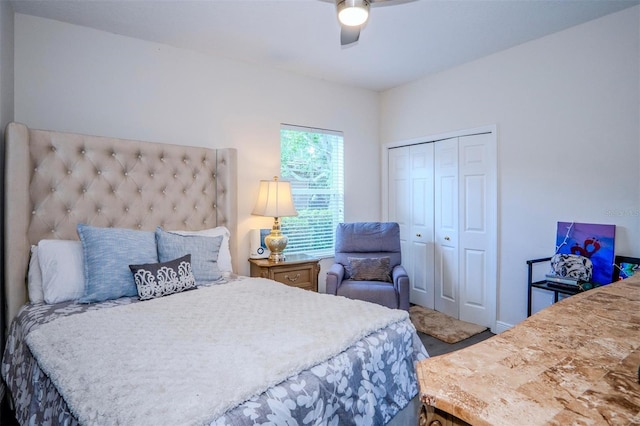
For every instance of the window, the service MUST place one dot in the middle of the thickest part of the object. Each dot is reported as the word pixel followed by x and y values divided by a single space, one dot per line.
pixel 312 160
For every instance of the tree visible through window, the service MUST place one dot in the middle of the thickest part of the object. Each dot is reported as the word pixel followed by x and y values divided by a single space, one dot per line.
pixel 312 160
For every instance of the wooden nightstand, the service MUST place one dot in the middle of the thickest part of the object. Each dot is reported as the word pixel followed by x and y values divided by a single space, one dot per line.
pixel 299 270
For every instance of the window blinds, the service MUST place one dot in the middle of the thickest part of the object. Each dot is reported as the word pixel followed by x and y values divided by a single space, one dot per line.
pixel 313 161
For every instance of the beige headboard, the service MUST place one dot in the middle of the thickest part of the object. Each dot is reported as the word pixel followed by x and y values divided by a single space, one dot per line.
pixel 55 180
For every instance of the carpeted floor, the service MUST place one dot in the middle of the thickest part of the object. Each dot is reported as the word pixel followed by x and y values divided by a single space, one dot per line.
pixel 441 326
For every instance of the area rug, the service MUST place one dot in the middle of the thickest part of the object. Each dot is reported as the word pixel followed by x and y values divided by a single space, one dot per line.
pixel 441 326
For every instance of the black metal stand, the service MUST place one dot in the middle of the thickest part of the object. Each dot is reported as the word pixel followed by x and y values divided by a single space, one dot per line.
pixel 544 285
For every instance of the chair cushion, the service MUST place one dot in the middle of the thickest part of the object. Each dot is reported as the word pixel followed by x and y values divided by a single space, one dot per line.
pixel 370 291
pixel 368 239
pixel 365 237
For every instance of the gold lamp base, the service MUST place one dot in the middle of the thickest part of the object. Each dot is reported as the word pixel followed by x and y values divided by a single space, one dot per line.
pixel 276 242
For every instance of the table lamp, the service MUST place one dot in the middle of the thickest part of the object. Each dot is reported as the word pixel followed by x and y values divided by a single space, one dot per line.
pixel 275 200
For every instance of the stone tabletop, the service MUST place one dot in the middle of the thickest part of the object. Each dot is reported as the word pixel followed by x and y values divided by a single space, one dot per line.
pixel 573 363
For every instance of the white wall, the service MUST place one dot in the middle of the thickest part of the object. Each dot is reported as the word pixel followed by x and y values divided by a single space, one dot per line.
pixel 567 109
pixel 76 79
pixel 6 114
pixel 6 65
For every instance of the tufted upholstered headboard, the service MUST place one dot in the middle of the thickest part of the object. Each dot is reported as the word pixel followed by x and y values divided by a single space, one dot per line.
pixel 55 180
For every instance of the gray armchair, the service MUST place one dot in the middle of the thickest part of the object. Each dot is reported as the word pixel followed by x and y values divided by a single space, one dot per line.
pixel 369 243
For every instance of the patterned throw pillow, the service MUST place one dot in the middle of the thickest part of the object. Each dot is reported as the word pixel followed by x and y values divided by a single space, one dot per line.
pixel 572 266
pixel 162 279
pixel 369 269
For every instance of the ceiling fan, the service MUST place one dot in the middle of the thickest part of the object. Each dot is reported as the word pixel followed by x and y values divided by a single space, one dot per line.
pixel 353 16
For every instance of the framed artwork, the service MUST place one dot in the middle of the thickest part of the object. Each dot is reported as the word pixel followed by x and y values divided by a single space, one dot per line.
pixel 624 267
pixel 594 241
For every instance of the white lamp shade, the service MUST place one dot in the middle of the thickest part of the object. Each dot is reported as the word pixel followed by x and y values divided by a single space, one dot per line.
pixel 274 199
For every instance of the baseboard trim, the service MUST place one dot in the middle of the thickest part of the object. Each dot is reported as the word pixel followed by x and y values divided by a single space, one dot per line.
pixel 500 327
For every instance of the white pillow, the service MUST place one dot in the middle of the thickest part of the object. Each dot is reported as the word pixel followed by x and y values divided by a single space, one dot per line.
pixel 34 278
pixel 62 267
pixel 224 255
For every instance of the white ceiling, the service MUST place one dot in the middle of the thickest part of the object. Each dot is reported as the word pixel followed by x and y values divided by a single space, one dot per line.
pixel 403 40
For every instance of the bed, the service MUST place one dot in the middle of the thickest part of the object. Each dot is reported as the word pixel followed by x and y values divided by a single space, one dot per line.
pixel 234 350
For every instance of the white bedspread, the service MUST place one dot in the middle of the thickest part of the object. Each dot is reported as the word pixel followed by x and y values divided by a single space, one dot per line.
pixel 189 357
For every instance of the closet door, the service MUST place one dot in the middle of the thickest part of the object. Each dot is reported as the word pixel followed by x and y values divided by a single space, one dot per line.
pixel 399 185
pixel 411 205
pixel 443 194
pixel 446 227
pixel 478 228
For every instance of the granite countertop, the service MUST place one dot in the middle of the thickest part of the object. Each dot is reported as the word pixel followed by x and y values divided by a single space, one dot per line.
pixel 573 363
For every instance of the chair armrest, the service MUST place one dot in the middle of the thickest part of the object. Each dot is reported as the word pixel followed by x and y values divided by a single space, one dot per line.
pixel 401 283
pixel 397 273
pixel 335 275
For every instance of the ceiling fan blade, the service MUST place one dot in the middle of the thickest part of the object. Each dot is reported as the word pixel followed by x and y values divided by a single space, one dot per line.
pixel 349 35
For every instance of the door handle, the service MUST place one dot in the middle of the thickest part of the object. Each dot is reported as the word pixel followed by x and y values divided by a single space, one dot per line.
pixel 419 235
pixel 447 238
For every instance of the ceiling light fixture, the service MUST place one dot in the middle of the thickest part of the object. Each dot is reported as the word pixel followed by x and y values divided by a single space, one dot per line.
pixel 353 12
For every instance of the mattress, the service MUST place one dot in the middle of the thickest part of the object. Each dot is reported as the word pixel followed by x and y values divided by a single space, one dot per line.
pixel 367 383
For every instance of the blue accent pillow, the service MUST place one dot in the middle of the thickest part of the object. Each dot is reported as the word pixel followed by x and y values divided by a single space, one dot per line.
pixel 107 253
pixel 203 250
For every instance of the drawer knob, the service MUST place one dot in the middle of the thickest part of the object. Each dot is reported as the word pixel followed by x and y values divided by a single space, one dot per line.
pixel 292 279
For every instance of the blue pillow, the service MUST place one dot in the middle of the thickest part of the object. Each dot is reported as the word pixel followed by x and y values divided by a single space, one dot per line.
pixel 203 250
pixel 108 252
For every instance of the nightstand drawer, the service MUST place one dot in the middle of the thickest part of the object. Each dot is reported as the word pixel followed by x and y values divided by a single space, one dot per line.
pixel 294 277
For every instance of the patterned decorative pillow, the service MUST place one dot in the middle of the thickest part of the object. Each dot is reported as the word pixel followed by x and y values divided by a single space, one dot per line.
pixel 162 279
pixel 572 266
pixel 369 269
pixel 203 250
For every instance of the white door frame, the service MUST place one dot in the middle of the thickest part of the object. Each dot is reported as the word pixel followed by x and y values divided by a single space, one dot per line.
pixel 494 212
